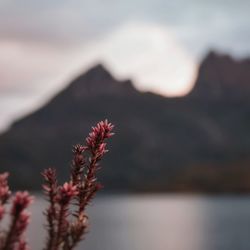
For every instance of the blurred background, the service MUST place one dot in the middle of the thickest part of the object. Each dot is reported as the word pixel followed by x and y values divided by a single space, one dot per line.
pixel 174 78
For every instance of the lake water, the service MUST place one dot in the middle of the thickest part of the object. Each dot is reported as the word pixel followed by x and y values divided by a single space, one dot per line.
pixel 164 222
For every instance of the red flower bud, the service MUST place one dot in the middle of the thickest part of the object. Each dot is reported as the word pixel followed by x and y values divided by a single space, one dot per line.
pixel 20 202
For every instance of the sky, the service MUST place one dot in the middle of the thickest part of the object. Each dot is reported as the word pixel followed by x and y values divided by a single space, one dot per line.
pixel 156 43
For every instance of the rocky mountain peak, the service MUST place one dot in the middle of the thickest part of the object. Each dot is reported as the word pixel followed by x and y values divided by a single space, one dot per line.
pixel 222 76
pixel 98 81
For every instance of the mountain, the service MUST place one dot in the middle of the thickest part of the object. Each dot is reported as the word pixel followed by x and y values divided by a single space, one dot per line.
pixel 221 76
pixel 200 142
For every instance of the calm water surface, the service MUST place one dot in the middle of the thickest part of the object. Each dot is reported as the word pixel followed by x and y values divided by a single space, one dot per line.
pixel 164 222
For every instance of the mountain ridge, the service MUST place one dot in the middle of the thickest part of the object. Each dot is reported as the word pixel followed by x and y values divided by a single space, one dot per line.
pixel 211 83
pixel 161 144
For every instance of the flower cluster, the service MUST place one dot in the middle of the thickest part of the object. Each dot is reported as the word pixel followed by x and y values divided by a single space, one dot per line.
pixel 14 237
pixel 66 216
pixel 4 192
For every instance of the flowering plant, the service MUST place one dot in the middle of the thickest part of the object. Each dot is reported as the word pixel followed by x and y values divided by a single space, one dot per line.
pixel 66 217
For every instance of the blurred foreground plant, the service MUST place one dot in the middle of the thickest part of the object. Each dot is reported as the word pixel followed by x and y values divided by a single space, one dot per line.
pixel 66 217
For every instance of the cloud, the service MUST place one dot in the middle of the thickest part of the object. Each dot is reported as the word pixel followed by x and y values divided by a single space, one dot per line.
pixel 197 24
pixel 149 55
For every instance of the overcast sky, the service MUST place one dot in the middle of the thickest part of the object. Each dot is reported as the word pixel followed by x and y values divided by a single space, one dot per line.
pixel 156 43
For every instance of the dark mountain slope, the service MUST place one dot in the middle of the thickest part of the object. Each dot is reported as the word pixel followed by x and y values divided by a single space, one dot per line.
pixel 221 76
pixel 160 143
